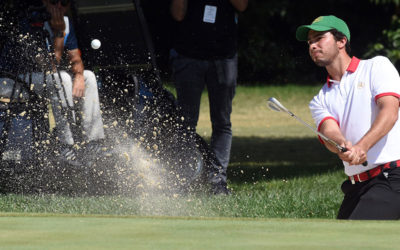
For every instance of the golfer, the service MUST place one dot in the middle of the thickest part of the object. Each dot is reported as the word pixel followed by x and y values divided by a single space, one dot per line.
pixel 358 107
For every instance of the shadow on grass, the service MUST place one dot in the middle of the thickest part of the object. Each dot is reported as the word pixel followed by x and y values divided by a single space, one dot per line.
pixel 256 159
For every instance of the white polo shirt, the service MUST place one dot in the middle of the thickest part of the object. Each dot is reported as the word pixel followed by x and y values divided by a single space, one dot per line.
pixel 352 104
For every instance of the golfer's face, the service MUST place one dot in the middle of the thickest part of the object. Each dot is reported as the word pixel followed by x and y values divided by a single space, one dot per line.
pixel 323 47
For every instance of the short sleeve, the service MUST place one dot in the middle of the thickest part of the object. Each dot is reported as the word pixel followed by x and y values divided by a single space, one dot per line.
pixel 319 111
pixel 71 42
pixel 385 79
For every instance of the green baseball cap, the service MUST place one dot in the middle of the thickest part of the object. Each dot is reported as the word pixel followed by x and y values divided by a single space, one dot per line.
pixel 323 23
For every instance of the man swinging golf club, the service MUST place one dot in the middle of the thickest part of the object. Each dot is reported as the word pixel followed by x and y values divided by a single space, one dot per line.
pixel 358 108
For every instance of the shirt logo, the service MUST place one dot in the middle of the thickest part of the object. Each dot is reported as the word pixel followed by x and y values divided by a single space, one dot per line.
pixel 360 85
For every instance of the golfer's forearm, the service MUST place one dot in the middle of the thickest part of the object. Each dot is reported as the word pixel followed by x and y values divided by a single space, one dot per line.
pixel 58 48
pixel 331 148
pixel 178 9
pixel 331 130
pixel 77 67
pixel 75 59
pixel 240 5
pixel 384 122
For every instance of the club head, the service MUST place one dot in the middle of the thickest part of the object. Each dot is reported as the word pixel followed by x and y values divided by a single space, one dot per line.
pixel 272 106
pixel 275 105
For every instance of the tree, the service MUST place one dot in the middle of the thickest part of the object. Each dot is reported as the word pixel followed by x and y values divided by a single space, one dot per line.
pixel 269 51
pixel 388 44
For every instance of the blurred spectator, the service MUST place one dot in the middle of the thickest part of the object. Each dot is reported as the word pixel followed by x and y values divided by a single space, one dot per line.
pixel 205 54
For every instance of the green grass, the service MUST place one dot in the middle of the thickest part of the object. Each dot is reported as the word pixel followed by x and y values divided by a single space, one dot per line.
pixel 278 170
pixel 99 232
pixel 281 178
pixel 297 197
pixel 252 117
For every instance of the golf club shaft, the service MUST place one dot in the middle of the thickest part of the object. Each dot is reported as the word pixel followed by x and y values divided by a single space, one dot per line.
pixel 330 141
pixel 333 143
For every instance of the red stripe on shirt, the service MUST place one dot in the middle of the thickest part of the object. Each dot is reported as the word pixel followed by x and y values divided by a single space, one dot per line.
pixel 320 124
pixel 386 94
pixel 353 64
pixel 351 68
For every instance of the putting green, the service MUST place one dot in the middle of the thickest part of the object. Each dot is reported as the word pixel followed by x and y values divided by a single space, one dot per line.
pixel 30 231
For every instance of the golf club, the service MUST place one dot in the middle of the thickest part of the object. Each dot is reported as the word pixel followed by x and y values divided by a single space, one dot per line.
pixel 275 105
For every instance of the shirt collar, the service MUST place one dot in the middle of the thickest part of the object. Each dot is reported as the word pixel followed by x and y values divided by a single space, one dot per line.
pixel 351 69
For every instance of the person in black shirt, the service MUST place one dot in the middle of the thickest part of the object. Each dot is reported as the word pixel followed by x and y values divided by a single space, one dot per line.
pixel 205 54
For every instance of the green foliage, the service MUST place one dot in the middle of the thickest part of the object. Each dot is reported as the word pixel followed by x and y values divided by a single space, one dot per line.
pixel 389 43
pixel 269 51
pixel 396 2
pixel 264 45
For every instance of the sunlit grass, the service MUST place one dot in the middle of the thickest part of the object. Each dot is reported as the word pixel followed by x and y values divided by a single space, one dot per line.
pixel 252 117
pixel 111 232
pixel 278 169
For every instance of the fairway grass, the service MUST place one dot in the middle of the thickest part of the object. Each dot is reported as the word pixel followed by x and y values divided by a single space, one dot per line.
pixel 252 117
pixel 298 197
pixel 21 231
pixel 278 169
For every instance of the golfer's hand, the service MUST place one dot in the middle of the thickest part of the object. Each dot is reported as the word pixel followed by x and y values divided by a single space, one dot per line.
pixel 57 17
pixel 355 155
pixel 346 156
pixel 78 89
pixel 361 155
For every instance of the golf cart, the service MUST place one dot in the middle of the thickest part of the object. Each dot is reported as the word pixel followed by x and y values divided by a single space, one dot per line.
pixel 143 123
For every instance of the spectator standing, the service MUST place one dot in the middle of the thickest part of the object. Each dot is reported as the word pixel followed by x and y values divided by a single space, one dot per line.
pixel 205 55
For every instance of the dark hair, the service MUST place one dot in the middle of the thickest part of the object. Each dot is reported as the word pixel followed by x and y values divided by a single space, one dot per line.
pixel 339 36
